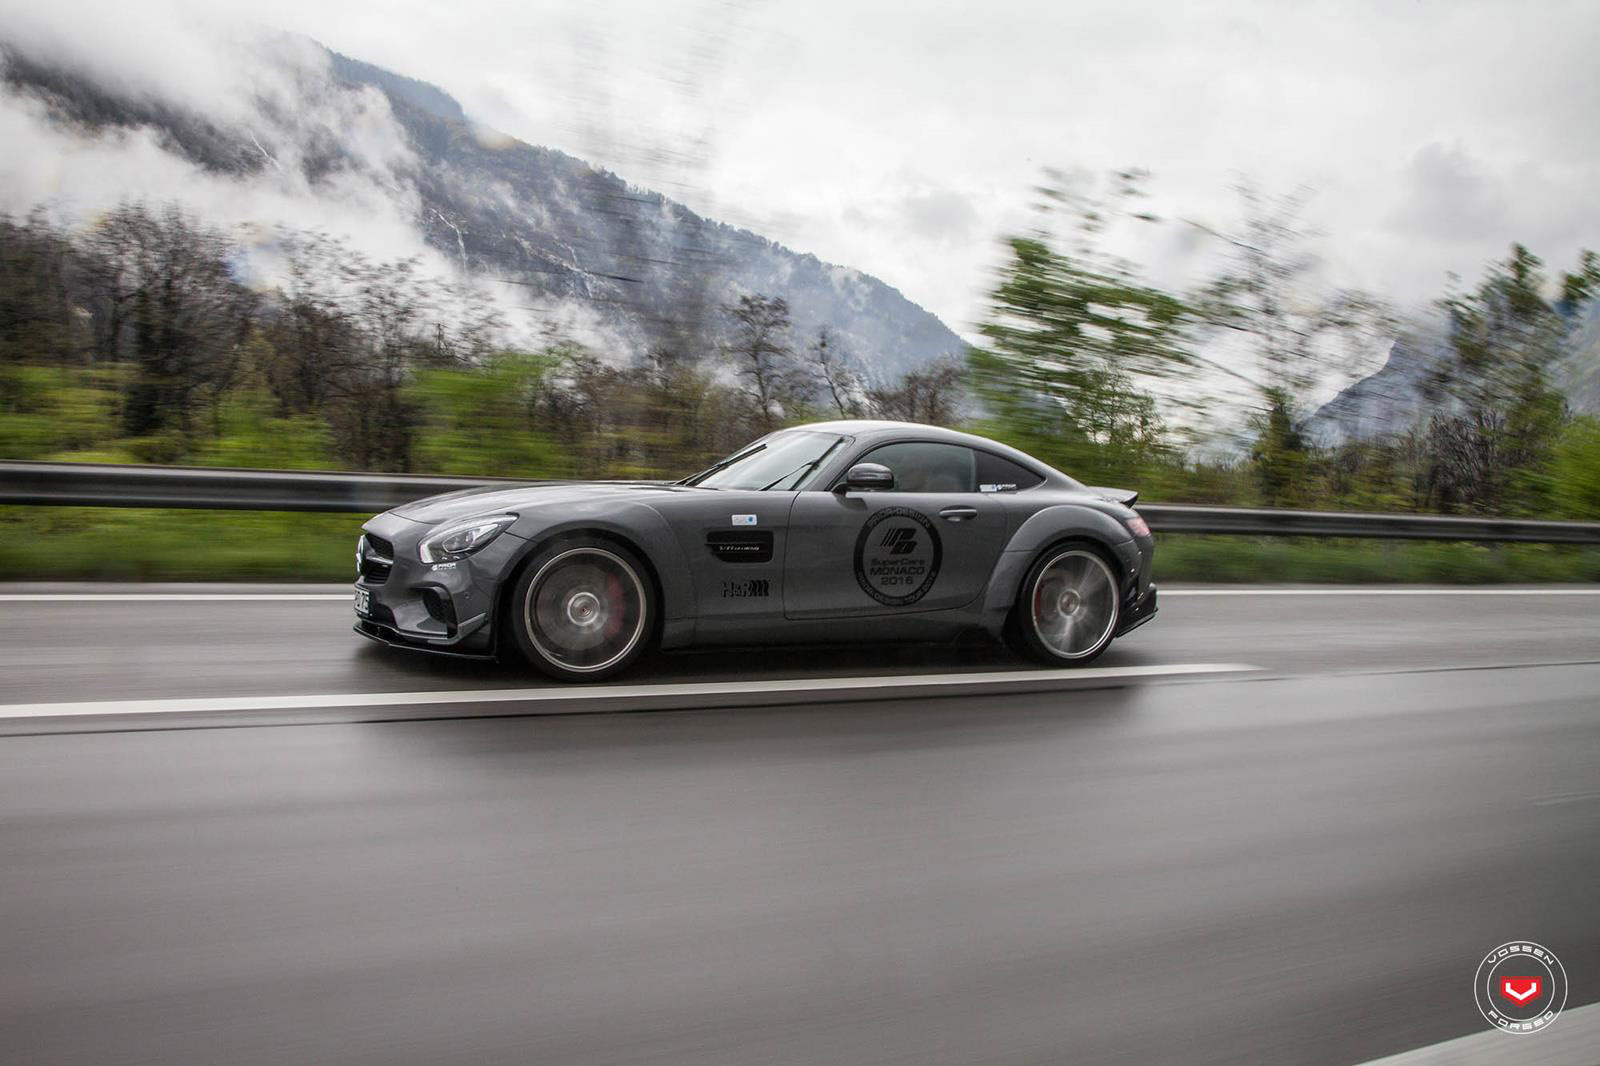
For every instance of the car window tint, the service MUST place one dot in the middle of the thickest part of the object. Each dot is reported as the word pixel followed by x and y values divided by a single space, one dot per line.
pixel 996 474
pixel 921 466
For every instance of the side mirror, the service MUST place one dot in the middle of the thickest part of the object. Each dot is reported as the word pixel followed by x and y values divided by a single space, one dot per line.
pixel 867 477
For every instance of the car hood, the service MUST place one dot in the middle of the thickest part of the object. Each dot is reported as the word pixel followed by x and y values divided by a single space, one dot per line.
pixel 494 499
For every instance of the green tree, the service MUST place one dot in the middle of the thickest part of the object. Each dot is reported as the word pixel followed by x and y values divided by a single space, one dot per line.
pixel 483 421
pixel 1074 339
pixel 1492 448
pixel 1575 470
pixel 1279 455
pixel 1268 294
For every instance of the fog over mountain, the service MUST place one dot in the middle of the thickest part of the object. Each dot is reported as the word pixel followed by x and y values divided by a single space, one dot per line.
pixel 255 129
pixel 1391 399
pixel 1403 392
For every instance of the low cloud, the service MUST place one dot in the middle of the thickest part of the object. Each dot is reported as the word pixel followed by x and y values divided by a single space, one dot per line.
pixel 273 94
pixel 1451 197
pixel 905 147
pixel 304 150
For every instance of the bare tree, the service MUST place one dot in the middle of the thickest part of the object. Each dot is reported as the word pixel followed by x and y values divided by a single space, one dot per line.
pixel 348 336
pixel 830 365
pixel 760 349
pixel 932 395
pixel 1268 292
pixel 174 309
pixel 39 320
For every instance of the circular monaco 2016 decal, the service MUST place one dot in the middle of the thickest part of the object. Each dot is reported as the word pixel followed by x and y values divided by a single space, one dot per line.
pixel 897 556
pixel 1520 987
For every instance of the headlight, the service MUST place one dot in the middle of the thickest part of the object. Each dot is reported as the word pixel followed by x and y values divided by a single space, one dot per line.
pixel 1138 526
pixel 463 538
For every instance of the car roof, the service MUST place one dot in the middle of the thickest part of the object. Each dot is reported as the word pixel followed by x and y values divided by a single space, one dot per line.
pixel 869 429
pixel 863 427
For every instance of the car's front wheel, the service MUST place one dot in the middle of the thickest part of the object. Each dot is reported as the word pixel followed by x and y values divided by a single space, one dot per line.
pixel 582 609
pixel 1068 607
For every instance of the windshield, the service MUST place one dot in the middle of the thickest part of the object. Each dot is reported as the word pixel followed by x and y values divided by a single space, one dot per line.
pixel 782 461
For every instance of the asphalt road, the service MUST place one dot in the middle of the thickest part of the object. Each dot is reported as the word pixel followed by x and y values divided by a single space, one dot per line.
pixel 1302 865
pixel 71 648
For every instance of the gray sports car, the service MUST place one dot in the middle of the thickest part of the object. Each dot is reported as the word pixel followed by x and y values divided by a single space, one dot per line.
pixel 839 531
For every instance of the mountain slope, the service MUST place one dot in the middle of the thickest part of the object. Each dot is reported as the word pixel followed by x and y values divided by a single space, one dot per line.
pixel 1389 400
pixel 556 240
pixel 1397 396
pixel 1579 370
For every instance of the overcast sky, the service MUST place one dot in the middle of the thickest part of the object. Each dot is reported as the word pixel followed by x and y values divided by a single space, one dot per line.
pixel 903 138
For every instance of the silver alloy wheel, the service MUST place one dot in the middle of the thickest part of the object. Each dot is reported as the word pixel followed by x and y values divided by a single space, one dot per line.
pixel 585 609
pixel 1074 604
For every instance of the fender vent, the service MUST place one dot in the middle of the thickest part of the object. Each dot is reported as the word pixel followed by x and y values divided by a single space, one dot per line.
pixel 741 545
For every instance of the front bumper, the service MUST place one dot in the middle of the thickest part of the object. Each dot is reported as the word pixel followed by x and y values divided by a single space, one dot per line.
pixel 445 607
pixel 1143 609
pixel 389 637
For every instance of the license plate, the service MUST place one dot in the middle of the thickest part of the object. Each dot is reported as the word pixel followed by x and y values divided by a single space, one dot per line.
pixel 363 601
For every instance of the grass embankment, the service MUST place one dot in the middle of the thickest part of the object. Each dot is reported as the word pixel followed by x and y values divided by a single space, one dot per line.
pixel 1318 560
pixel 129 544
pixel 116 544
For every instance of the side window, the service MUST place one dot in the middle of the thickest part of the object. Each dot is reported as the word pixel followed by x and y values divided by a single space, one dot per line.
pixel 1002 475
pixel 927 467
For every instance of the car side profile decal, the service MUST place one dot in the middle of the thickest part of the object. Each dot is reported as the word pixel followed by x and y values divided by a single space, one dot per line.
pixel 897 556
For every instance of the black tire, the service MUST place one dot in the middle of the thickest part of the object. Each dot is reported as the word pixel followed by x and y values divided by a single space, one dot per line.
pixel 583 609
pixel 1069 605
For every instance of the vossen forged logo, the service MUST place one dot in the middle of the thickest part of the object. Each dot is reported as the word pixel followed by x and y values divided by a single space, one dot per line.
pixel 897 559
pixel 1520 987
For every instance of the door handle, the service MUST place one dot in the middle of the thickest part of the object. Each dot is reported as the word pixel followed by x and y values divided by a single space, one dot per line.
pixel 958 514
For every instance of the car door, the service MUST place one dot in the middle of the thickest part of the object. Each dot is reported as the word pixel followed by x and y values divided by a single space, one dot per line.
pixel 734 542
pixel 929 544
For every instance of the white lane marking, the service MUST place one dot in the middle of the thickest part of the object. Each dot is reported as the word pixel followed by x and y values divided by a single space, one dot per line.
pixel 174 597
pixel 1570 1039
pixel 1370 591
pixel 720 690
pixel 1565 798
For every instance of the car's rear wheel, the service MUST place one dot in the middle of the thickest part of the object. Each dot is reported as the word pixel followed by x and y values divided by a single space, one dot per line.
pixel 583 609
pixel 1068 607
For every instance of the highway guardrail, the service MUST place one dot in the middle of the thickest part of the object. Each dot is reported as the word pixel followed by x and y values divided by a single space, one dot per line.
pixel 215 488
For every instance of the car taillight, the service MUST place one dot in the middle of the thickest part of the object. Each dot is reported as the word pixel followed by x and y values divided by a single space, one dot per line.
pixel 1138 526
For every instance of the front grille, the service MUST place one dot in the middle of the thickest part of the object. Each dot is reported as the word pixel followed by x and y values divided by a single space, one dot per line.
pixel 377 559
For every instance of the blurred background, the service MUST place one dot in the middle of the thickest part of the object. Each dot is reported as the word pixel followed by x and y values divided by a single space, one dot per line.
pixel 1331 257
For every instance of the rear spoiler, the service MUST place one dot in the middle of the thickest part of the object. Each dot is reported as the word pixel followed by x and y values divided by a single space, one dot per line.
pixel 1126 497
